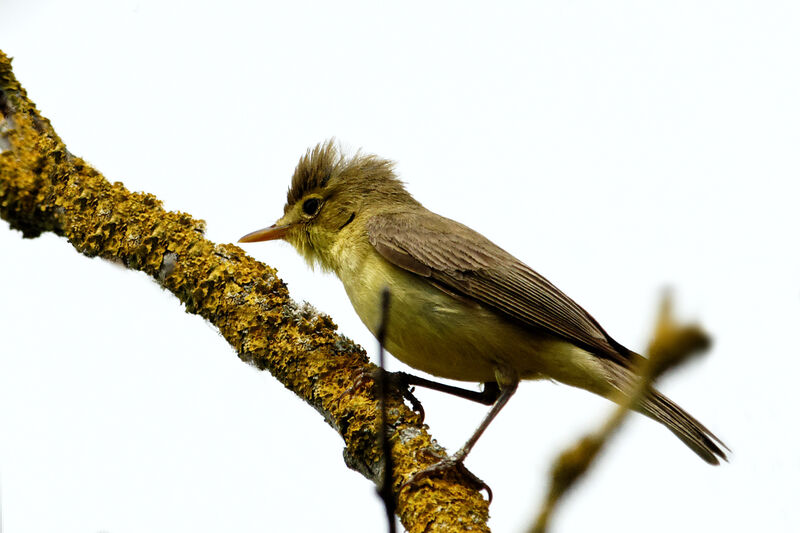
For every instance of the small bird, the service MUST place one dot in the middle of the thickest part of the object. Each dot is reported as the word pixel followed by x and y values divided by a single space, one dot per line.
pixel 462 307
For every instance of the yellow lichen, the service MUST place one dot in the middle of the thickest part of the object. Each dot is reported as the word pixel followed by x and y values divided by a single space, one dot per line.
pixel 43 187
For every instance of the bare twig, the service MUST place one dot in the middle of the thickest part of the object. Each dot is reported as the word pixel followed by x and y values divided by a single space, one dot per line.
pixel 672 345
pixel 385 487
pixel 44 187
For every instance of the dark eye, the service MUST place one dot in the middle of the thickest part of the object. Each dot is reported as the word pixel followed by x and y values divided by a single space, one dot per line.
pixel 311 206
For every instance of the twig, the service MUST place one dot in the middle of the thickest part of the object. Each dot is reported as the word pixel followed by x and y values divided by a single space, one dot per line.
pixel 671 346
pixel 385 488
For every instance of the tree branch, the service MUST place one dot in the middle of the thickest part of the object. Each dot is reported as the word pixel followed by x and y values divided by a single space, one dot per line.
pixel 43 187
pixel 672 345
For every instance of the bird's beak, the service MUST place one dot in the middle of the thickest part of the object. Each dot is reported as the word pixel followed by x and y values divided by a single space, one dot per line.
pixel 267 234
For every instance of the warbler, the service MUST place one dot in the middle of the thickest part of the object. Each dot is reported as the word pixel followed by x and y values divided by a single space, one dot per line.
pixel 461 307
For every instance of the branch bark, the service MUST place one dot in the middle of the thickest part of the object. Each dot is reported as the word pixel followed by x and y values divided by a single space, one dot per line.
pixel 43 187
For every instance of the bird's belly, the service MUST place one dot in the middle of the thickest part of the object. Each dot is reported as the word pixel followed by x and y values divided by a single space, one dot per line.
pixel 437 333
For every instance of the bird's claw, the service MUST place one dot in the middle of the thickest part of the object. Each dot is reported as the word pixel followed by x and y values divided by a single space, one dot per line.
pixel 362 376
pixel 451 463
pixel 393 379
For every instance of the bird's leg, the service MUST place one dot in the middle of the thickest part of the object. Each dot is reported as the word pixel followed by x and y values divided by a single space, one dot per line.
pixel 505 394
pixel 457 459
pixel 406 383
pixel 488 396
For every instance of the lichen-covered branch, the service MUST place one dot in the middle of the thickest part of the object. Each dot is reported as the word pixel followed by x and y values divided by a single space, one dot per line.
pixel 43 187
pixel 671 345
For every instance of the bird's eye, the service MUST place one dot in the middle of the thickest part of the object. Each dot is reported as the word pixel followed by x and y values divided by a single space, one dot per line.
pixel 311 206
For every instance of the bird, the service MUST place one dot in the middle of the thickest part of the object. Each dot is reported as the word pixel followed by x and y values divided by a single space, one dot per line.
pixel 462 308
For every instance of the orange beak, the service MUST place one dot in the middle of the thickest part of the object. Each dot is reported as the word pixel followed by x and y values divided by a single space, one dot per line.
pixel 267 234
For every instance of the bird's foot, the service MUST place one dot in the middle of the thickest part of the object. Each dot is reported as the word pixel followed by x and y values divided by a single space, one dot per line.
pixel 393 379
pixel 455 463
pixel 361 379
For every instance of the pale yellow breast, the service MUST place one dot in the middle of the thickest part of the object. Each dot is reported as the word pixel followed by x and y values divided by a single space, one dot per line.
pixel 432 331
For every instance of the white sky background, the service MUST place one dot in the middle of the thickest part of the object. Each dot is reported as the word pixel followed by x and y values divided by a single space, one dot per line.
pixel 616 147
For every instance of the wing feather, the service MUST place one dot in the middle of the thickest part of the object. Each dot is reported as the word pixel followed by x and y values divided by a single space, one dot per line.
pixel 457 259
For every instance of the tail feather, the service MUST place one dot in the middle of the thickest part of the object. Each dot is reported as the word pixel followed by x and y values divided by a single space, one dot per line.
pixel 663 410
pixel 687 428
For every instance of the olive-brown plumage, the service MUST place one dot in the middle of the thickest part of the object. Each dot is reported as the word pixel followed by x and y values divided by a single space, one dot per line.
pixel 462 307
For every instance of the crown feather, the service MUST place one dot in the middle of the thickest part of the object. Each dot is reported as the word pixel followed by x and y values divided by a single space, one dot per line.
pixel 324 166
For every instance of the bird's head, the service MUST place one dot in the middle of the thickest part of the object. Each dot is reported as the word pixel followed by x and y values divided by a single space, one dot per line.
pixel 331 196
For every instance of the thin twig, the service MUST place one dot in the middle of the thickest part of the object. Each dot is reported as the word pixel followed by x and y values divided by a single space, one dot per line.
pixel 671 346
pixel 385 487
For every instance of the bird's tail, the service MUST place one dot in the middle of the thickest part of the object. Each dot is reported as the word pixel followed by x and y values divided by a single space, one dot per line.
pixel 661 409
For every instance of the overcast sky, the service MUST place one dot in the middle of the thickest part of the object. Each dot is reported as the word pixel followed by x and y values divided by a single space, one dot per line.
pixel 616 147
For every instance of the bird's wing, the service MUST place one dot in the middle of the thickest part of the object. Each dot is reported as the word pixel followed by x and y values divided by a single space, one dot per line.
pixel 462 261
